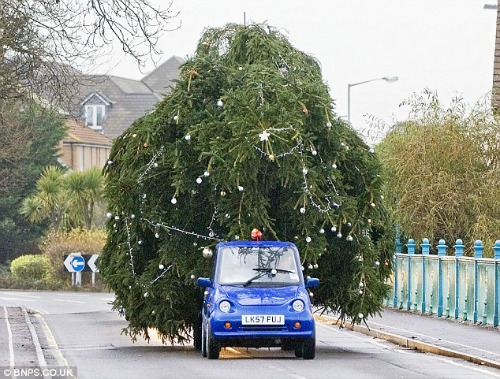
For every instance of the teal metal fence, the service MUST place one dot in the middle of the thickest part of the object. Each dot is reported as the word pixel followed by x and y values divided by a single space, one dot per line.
pixel 451 286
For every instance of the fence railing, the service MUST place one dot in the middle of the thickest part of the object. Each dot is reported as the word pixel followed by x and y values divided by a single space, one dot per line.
pixel 452 286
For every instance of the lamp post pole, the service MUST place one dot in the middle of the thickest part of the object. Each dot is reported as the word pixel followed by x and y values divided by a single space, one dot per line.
pixel 388 79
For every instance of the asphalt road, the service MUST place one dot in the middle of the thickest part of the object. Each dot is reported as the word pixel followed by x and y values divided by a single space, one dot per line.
pixel 80 330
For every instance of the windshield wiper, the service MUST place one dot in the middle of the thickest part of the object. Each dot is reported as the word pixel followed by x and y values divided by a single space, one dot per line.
pixel 259 275
pixel 264 271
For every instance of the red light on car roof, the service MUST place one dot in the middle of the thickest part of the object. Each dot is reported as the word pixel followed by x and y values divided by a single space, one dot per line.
pixel 256 235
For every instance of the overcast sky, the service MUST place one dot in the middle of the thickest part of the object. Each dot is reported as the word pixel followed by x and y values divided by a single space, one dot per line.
pixel 445 45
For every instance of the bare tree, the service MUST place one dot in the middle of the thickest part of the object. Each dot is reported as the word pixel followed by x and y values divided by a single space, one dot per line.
pixel 45 43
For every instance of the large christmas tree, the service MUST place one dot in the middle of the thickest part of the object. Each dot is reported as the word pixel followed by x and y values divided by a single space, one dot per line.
pixel 248 138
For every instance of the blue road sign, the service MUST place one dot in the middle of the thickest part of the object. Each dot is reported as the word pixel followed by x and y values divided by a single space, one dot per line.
pixel 78 263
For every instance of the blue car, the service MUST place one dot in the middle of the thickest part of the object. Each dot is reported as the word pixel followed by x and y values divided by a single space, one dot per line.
pixel 257 297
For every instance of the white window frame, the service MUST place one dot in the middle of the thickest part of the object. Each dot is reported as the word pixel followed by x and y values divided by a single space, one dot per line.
pixel 93 122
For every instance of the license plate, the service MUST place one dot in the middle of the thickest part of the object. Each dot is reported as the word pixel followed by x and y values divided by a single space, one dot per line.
pixel 263 320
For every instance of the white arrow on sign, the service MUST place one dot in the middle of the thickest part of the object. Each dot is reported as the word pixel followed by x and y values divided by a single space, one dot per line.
pixel 68 262
pixel 77 263
pixel 91 263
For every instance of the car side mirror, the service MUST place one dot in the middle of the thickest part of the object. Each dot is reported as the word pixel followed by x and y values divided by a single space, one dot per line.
pixel 312 283
pixel 204 282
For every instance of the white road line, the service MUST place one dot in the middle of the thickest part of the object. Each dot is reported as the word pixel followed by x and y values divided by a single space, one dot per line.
pixel 51 341
pixel 71 301
pixel 16 299
pixel 36 342
pixel 434 338
pixel 473 368
pixel 11 342
pixel 22 294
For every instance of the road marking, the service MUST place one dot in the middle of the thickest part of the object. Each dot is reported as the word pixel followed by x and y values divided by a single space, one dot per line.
pixel 51 341
pixel 21 294
pixel 36 342
pixel 71 301
pixel 474 368
pixel 11 342
pixel 16 299
pixel 433 339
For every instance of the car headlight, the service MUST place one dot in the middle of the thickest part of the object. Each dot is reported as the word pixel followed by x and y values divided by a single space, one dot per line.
pixel 298 305
pixel 225 306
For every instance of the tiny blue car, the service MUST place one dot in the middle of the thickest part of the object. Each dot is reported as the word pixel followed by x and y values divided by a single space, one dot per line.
pixel 257 297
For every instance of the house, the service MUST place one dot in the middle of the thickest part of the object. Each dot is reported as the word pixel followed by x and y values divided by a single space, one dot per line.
pixel 110 104
pixel 83 148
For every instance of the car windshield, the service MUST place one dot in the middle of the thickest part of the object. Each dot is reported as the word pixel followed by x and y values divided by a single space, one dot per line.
pixel 262 265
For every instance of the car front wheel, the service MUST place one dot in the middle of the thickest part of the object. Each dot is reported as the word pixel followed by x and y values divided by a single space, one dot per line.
pixel 309 348
pixel 213 347
pixel 203 341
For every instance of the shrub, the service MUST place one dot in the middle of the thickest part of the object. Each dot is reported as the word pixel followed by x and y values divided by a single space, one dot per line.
pixel 30 267
pixel 55 247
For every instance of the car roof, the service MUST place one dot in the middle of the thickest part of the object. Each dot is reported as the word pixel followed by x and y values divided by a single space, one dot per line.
pixel 255 244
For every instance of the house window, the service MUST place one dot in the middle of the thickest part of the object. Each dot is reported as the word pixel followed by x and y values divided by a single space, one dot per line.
pixel 94 116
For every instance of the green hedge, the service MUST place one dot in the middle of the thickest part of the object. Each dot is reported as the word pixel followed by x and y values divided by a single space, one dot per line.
pixel 30 267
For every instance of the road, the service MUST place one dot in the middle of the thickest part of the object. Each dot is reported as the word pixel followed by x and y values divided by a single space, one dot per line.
pixel 79 330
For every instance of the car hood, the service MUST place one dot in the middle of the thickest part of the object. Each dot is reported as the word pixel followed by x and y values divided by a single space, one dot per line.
pixel 261 295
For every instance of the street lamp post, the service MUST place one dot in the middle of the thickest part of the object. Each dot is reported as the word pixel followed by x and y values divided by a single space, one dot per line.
pixel 388 79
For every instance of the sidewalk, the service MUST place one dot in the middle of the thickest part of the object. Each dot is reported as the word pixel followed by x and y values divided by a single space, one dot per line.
pixel 474 343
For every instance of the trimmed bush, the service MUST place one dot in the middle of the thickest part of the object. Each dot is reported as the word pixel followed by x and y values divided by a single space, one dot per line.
pixel 30 267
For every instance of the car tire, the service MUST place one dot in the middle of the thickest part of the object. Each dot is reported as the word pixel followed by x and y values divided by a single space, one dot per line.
pixel 203 342
pixel 309 348
pixel 299 350
pixel 213 347
pixel 198 333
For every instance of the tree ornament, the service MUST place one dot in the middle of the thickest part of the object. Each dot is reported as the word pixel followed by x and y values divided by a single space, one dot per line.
pixel 240 188
pixel 220 103
pixel 223 193
pixel 339 235
pixel 173 200
pixel 308 239
pixel 187 137
pixel 207 253
pixel 334 166
pixel 333 228
pixel 322 231
pixel 198 180
pixel 264 136
pixel 302 210
pixel 109 215
pixel 304 171
pixel 132 216
pixel 271 157
pixel 206 174
pixel 110 162
pixel 328 124
pixel 161 267
pixel 117 218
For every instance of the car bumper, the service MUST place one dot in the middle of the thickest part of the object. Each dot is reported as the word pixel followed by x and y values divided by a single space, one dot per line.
pixel 229 331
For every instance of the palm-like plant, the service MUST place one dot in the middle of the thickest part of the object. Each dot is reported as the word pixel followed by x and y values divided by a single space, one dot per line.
pixel 47 202
pixel 84 191
pixel 66 200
